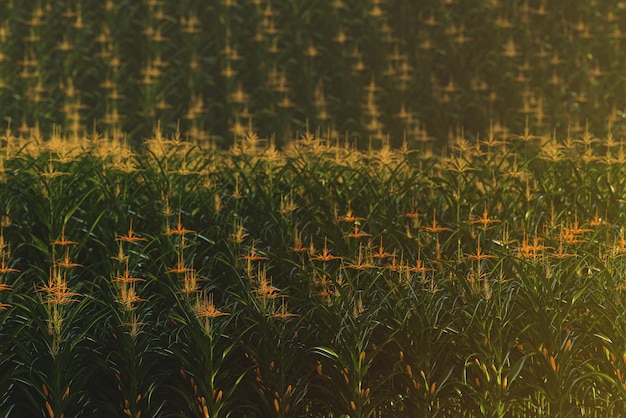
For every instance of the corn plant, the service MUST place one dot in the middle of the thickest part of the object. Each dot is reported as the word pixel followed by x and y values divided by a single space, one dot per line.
pixel 54 341
pixel 350 354
pixel 317 280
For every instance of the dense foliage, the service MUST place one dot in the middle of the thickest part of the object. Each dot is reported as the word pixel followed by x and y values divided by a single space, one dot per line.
pixel 320 281
pixel 365 69
pixel 235 208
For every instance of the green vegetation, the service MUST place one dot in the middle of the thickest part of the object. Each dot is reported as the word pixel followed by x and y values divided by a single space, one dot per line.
pixel 317 208
pixel 319 281
pixel 362 69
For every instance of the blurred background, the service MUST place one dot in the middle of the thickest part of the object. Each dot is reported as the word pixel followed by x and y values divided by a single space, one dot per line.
pixel 363 71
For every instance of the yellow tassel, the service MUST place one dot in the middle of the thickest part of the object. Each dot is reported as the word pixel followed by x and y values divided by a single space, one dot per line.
pixel 50 411
pixel 568 344
pixel 553 364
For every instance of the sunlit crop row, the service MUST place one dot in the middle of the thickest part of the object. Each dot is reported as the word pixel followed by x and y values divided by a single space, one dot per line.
pixel 319 280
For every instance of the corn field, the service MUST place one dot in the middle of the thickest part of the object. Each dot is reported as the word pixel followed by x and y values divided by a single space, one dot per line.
pixel 375 69
pixel 316 281
pixel 312 208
